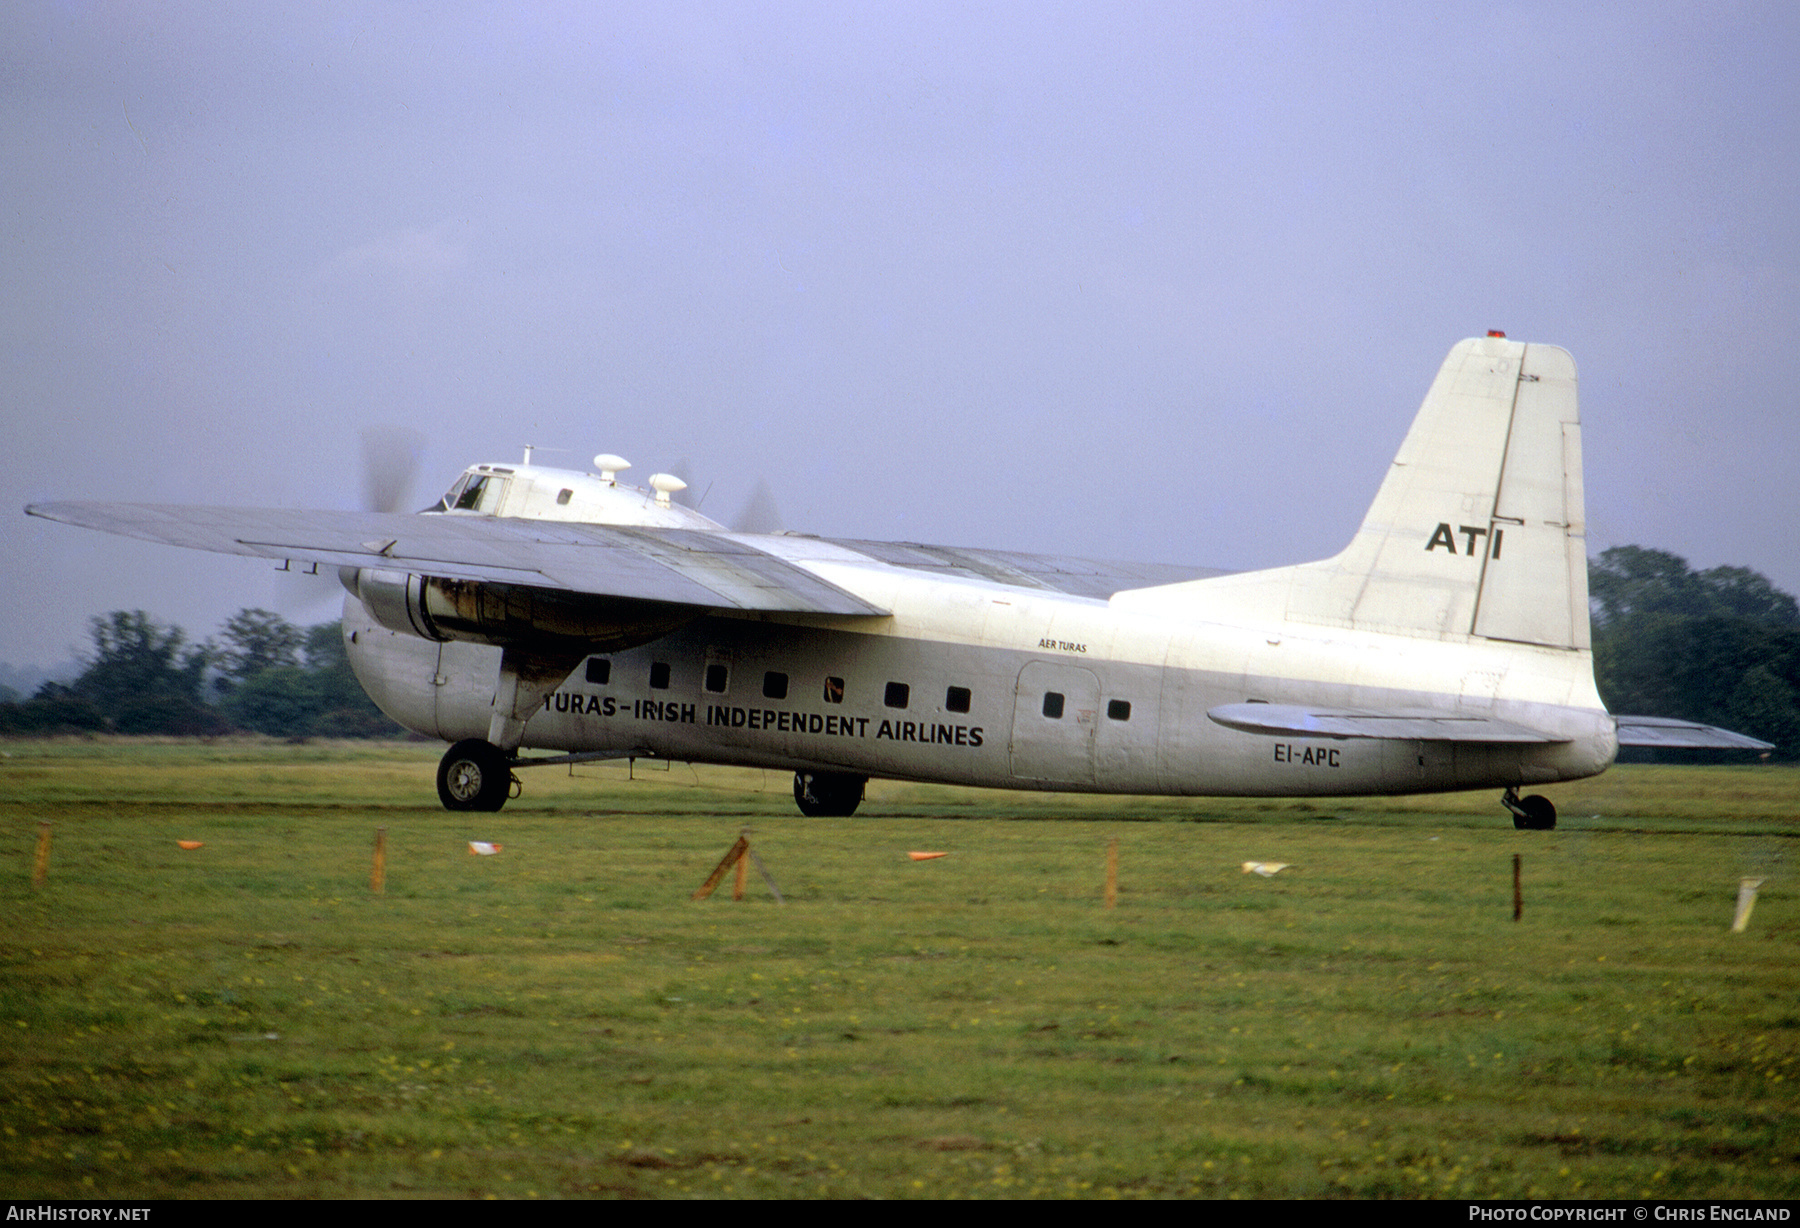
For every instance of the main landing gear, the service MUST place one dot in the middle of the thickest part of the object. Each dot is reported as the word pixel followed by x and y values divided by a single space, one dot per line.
pixel 828 795
pixel 1533 813
pixel 474 775
pixel 477 773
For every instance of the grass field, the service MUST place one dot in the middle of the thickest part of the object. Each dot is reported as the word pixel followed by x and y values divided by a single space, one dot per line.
pixel 250 1020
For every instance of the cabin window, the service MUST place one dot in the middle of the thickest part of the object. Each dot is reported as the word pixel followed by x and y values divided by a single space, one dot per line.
pixel 956 699
pixel 897 695
pixel 659 675
pixel 1053 705
pixel 563 496
pixel 716 678
pixel 834 690
pixel 599 670
pixel 1119 710
pixel 774 685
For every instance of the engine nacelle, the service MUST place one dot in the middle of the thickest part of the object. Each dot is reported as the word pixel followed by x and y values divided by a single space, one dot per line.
pixel 479 612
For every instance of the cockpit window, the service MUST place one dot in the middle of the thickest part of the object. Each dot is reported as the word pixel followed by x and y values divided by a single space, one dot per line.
pixel 471 494
pixel 449 499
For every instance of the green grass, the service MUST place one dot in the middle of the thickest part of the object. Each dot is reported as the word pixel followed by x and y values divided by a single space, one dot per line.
pixel 248 1020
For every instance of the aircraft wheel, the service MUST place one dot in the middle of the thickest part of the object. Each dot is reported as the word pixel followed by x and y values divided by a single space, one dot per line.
pixel 474 775
pixel 1539 814
pixel 828 795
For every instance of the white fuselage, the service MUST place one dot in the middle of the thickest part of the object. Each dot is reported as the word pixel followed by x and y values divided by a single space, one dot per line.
pixel 1008 648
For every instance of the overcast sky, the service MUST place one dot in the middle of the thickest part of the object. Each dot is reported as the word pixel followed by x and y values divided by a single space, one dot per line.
pixel 1159 282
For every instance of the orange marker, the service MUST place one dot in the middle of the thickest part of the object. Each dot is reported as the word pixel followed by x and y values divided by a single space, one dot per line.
pixel 190 845
pixel 926 856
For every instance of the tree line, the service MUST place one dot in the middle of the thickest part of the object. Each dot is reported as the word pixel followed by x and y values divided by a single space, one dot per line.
pixel 260 673
pixel 1720 646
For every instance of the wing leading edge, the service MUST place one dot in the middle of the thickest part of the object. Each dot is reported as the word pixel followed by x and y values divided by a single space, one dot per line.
pixel 678 566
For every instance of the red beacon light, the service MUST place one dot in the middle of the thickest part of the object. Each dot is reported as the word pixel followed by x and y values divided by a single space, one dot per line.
pixel 1494 332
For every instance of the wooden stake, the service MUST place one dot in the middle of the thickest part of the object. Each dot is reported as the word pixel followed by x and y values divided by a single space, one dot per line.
pixel 731 858
pixel 378 876
pixel 1112 872
pixel 1747 888
pixel 740 854
pixel 40 865
pixel 1518 891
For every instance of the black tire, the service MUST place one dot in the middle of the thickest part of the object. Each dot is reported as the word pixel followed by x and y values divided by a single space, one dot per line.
pixel 1540 814
pixel 474 775
pixel 828 795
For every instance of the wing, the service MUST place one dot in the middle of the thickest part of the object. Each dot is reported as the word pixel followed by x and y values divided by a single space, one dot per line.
pixel 1670 734
pixel 1418 724
pixel 679 566
pixel 1095 578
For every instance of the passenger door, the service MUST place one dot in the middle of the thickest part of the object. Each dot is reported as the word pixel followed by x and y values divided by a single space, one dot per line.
pixel 1056 708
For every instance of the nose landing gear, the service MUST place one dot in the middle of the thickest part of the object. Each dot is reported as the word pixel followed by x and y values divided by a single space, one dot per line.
pixel 1533 813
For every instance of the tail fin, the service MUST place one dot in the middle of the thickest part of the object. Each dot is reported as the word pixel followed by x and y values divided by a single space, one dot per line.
pixel 1478 530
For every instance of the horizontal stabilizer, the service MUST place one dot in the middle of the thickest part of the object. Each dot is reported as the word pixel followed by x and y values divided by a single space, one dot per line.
pixel 1668 734
pixel 1417 724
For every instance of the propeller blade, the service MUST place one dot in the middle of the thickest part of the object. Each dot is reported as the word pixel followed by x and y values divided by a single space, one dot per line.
pixel 391 456
pixel 759 513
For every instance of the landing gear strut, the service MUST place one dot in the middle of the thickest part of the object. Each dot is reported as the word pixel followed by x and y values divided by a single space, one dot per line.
pixel 1533 813
pixel 474 775
pixel 828 795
